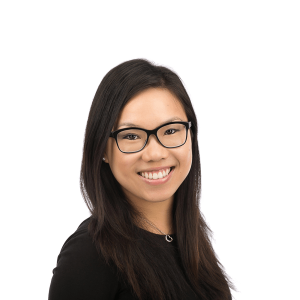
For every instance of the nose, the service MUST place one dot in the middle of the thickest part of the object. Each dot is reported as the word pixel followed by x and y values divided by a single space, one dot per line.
pixel 154 150
pixel 153 140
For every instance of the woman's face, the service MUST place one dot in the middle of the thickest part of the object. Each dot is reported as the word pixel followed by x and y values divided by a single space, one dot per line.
pixel 150 109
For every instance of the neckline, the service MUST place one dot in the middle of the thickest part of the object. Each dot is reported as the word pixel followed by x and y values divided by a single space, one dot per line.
pixel 172 234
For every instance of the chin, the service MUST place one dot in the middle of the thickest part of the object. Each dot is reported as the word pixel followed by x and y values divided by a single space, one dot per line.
pixel 158 197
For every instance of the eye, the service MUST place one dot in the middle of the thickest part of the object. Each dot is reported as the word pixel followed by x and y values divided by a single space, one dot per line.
pixel 173 130
pixel 130 135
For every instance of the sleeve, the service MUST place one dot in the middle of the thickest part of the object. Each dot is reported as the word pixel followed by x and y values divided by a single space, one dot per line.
pixel 81 274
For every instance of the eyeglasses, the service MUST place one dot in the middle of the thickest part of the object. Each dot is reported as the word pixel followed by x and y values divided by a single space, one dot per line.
pixel 134 139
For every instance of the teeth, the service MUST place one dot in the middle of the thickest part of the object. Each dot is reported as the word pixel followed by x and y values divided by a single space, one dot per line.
pixel 159 175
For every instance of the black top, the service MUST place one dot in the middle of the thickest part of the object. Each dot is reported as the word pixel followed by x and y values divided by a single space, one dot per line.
pixel 81 273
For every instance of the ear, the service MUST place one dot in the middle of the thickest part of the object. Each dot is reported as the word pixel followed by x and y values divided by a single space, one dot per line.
pixel 105 159
pixel 106 150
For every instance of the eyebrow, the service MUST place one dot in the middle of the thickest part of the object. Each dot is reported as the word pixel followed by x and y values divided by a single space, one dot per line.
pixel 135 125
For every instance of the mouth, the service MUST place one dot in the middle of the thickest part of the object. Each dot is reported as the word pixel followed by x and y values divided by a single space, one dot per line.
pixel 158 181
pixel 140 173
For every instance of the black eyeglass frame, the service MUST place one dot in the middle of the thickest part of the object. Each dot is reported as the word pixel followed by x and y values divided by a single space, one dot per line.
pixel 114 134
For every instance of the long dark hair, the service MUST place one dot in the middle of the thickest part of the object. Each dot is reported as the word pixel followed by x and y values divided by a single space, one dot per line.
pixel 112 224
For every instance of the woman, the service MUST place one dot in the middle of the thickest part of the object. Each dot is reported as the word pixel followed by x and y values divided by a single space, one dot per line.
pixel 140 178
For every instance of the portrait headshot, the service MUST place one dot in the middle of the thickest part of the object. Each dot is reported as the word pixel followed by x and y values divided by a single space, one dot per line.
pixel 150 151
pixel 141 179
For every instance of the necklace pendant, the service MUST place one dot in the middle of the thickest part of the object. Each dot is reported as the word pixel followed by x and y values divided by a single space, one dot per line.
pixel 169 238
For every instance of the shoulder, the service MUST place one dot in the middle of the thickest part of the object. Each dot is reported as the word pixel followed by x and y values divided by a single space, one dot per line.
pixel 81 273
pixel 79 243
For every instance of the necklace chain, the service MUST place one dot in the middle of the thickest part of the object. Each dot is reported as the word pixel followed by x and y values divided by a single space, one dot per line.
pixel 167 237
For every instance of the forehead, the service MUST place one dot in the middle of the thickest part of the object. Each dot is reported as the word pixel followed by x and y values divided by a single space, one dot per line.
pixel 151 108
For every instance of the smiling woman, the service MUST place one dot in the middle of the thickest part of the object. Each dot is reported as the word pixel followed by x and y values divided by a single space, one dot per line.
pixel 140 177
pixel 169 147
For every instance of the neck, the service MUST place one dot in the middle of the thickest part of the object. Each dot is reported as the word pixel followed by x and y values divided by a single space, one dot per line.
pixel 156 223
pixel 159 213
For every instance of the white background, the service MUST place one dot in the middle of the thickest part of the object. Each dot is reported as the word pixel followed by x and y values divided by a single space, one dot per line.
pixel 239 61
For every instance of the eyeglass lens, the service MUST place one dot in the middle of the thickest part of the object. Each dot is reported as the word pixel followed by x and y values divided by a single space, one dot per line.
pixel 133 140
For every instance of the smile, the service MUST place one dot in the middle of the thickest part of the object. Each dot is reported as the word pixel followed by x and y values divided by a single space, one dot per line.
pixel 156 174
pixel 158 177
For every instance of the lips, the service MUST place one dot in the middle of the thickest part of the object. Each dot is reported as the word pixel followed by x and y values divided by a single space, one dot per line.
pixel 156 170
pixel 158 181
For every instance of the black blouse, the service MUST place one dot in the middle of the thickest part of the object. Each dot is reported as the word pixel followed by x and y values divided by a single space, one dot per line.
pixel 81 273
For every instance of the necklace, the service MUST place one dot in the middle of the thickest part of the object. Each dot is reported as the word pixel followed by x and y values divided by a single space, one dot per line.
pixel 167 237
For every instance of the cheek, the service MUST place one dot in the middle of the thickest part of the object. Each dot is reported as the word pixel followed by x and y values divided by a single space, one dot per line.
pixel 185 158
pixel 118 163
pixel 122 167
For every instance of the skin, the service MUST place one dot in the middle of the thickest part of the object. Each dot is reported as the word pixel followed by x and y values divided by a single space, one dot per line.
pixel 149 109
